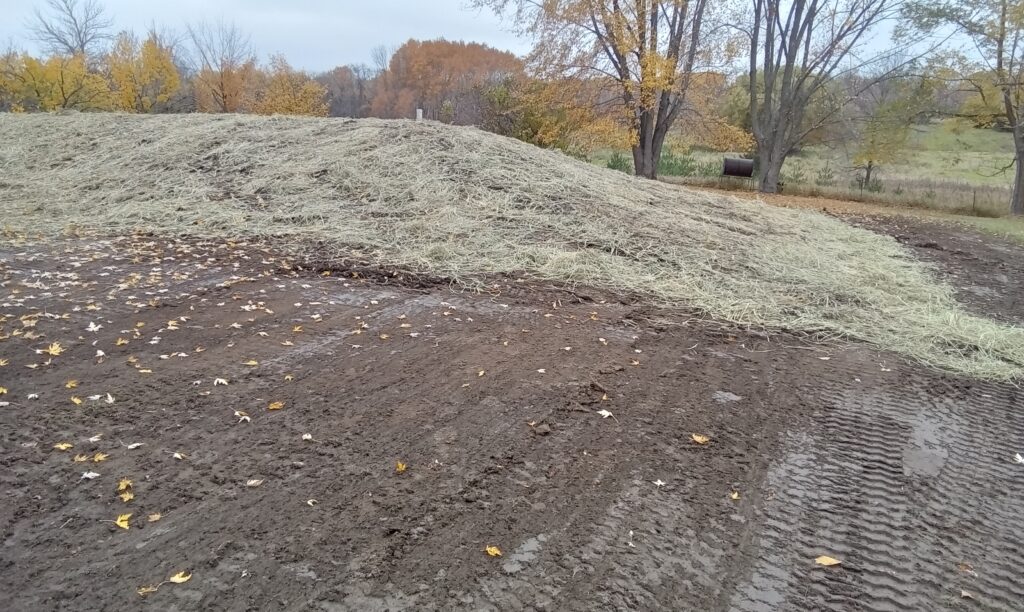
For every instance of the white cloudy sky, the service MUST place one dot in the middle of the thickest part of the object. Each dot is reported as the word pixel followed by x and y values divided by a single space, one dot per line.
pixel 312 34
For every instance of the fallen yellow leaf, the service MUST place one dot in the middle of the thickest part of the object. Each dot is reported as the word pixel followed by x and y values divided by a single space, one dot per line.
pixel 121 342
pixel 251 362
pixel 400 467
pixel 124 484
pixel 297 329
pixel 180 577
pixel 80 458
pixel 156 516
pixel 122 520
pixel 76 400
pixel 71 384
pixel 3 390
pixel 54 349
pixel 275 406
pixel 3 362
pixel 288 378
pixel 700 439
pixel 827 561
pixel 100 457
pixel 735 495
pixel 126 496
pixel 493 551
pixel 146 590
pixel 63 446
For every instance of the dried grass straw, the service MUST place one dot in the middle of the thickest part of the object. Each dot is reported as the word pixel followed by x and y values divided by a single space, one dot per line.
pixel 461 203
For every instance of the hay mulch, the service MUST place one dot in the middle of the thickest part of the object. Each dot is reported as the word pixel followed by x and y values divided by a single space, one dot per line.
pixel 461 203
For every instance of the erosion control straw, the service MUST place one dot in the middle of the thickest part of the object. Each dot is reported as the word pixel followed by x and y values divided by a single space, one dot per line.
pixel 461 203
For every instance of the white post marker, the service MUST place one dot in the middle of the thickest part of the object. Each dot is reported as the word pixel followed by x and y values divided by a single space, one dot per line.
pixel 419 114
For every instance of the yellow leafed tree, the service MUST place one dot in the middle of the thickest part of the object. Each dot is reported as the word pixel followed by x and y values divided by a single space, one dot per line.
pixel 10 66
pixel 645 51
pixel 287 91
pixel 60 82
pixel 142 76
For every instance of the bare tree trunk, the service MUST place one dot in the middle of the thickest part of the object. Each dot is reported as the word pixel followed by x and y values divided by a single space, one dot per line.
pixel 1017 199
pixel 867 174
pixel 770 160
pixel 645 164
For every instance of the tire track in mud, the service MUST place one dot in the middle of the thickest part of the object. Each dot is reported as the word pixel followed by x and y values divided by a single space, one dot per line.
pixel 913 487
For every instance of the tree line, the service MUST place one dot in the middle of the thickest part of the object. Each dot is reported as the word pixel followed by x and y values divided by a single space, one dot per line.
pixel 763 76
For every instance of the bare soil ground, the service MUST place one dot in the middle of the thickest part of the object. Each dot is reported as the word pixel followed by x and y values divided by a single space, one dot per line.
pixel 493 402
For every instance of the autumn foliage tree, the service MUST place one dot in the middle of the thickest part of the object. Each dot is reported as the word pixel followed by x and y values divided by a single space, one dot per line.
pixel 996 30
pixel 142 76
pixel 287 91
pixel 225 67
pixel 647 50
pixel 444 78
pixel 58 82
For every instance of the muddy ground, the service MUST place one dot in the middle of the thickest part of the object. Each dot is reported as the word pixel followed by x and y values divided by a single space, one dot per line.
pixel 492 402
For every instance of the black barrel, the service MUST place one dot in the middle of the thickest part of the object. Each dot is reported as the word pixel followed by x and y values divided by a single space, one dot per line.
pixel 738 167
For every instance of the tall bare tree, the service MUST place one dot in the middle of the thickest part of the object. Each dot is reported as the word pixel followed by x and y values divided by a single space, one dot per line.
pixel 996 28
pixel 71 27
pixel 798 48
pixel 648 50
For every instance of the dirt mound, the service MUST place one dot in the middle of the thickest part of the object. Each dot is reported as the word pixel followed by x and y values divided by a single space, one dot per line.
pixel 461 203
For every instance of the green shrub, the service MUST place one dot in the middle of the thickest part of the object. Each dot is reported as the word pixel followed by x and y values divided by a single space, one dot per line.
pixel 671 164
pixel 825 177
pixel 621 163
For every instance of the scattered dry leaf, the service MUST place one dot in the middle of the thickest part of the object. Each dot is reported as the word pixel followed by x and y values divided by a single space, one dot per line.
pixel 126 496
pixel 156 516
pixel 275 406
pixel 700 439
pixel 253 483
pixel 54 349
pixel 71 384
pixel 146 590
pixel 63 446
pixel 98 457
pixel 827 561
pixel 400 467
pixel 80 458
pixel 122 520
pixel 493 551
pixel 180 577
pixel 251 362
pixel 124 484
pixel 735 495
pixel 76 400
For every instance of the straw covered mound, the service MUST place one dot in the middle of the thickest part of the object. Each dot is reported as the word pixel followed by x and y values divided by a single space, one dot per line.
pixel 461 203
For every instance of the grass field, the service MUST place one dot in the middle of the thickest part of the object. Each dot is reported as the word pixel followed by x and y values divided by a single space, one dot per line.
pixel 946 166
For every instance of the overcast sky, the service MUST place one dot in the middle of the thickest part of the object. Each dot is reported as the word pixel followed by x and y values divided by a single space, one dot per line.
pixel 312 34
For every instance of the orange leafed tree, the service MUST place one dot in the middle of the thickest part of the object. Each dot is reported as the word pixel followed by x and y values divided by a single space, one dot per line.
pixel 286 91
pixel 225 68
pixel 442 77
pixel 647 51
